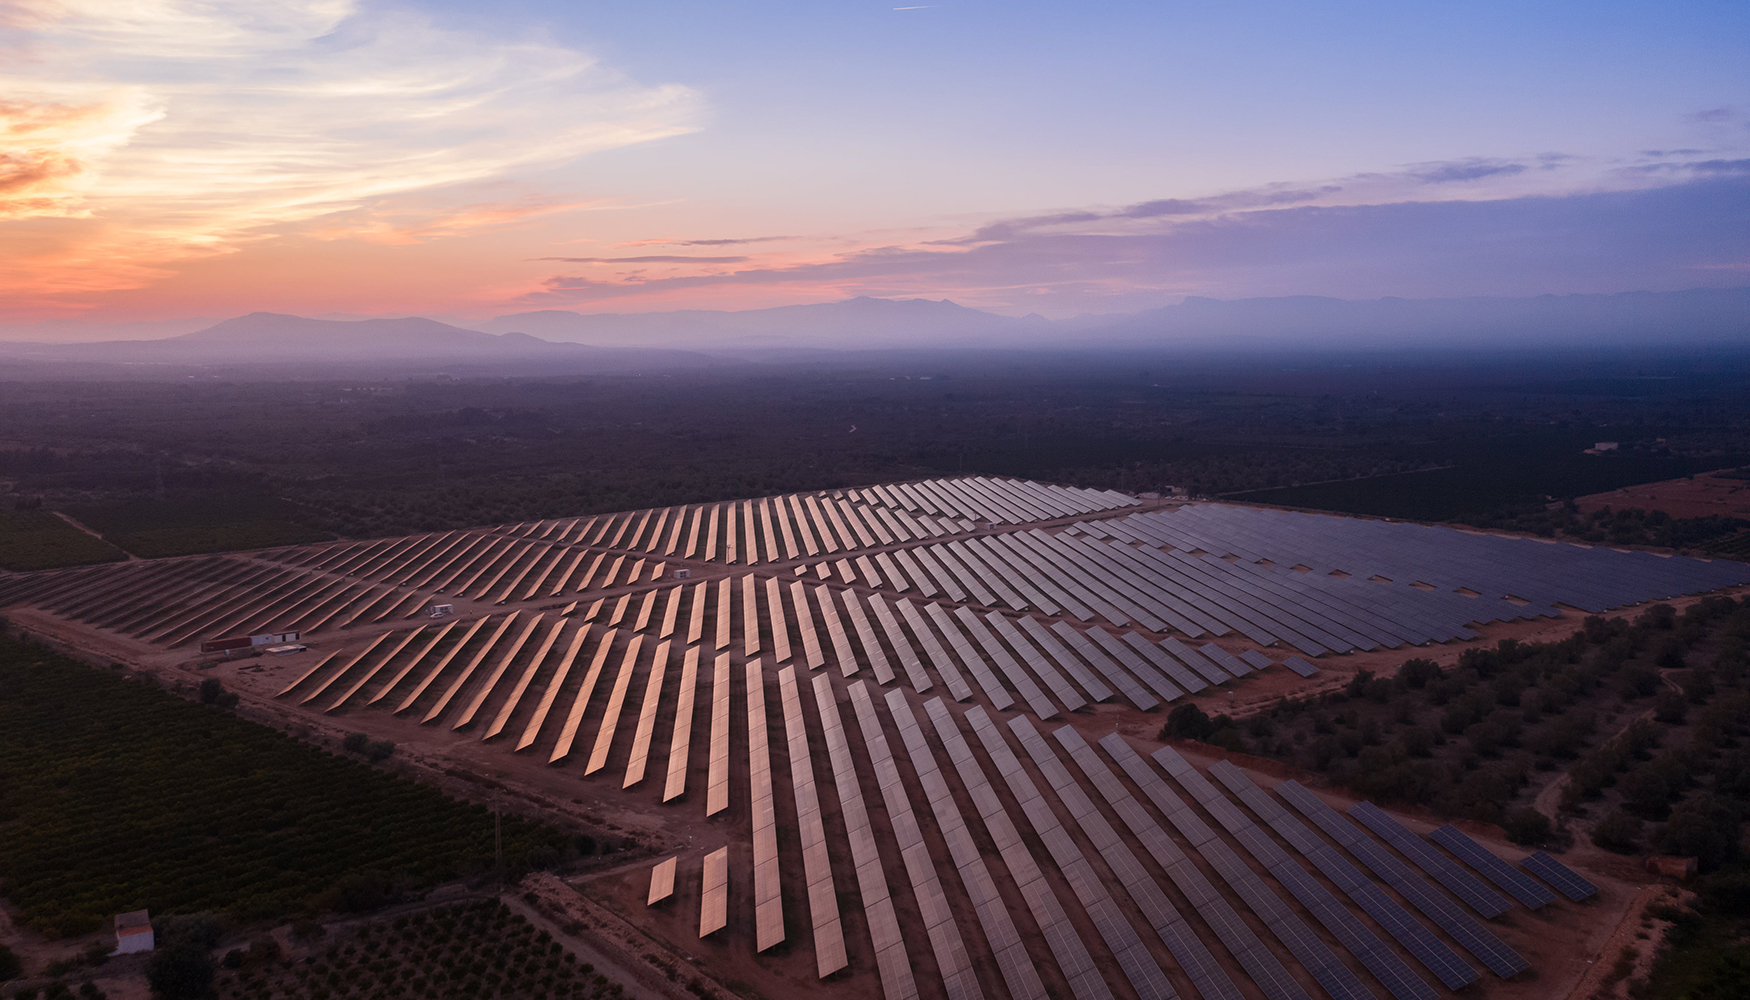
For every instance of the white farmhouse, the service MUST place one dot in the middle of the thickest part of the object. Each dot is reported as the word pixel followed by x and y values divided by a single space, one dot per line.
pixel 133 932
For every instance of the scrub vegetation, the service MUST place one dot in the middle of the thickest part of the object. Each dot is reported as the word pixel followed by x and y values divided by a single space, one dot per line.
pixel 121 796
pixel 1647 718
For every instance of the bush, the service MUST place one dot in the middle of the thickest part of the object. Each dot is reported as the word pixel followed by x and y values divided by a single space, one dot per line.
pixel 1671 708
pixel 1188 722
pixel 1618 832
pixel 211 689
pixel 379 751
pixel 180 972
pixel 1527 827
pixel 1418 672
pixel 355 743
pixel 10 966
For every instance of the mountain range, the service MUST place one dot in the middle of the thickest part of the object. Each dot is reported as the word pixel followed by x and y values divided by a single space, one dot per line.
pixel 562 342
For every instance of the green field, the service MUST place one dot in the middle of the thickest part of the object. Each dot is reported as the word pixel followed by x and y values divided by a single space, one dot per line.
pixel 115 796
pixel 187 525
pixel 37 539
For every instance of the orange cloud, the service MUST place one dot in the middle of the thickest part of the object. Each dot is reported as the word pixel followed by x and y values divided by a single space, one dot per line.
pixel 164 131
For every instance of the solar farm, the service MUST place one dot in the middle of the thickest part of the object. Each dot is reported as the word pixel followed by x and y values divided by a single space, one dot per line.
pixel 900 740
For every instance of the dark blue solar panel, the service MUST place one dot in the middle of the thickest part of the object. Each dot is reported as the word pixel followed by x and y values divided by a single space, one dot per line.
pixel 1494 869
pixel 1559 875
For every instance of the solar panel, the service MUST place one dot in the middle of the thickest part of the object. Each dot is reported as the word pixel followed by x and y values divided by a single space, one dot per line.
pixel 1133 957
pixel 1229 662
pixel 1461 883
pixel 1196 661
pixel 1125 684
pixel 604 738
pixel 1464 928
pixel 1494 869
pixel 681 740
pixel 1566 881
pixel 661 881
pixel 717 770
pixel 1169 925
pixel 823 903
pixel 640 758
pixel 1428 949
pixel 950 948
pixel 768 900
pixel 1066 946
pixel 714 893
pixel 1300 666
pixel 1258 660
pixel 1307 948
pixel 580 703
pixel 897 982
pixel 1361 942
pixel 999 927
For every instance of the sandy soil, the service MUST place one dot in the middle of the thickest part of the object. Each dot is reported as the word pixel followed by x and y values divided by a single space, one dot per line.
pixel 1700 496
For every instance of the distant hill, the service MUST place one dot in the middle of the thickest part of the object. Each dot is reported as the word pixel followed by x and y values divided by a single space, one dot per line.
pixel 299 343
pixel 853 324
pixel 560 342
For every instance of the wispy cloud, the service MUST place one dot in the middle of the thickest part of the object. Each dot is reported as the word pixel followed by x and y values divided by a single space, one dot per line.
pixel 659 259
pixel 735 241
pixel 137 135
pixel 1664 237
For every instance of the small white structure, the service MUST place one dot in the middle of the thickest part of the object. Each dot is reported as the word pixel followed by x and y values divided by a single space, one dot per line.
pixel 441 610
pixel 683 574
pixel 133 932
pixel 1605 446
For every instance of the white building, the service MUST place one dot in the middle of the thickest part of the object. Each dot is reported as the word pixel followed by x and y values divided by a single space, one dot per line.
pixel 133 932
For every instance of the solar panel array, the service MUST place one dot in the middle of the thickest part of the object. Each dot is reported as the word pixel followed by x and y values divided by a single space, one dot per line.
pixel 1559 875
pixel 1505 876
pixel 1023 616
pixel 1434 955
pixel 1464 928
pixel 950 950
pixel 1386 966
pixel 1390 556
pixel 1460 882
pixel 1313 955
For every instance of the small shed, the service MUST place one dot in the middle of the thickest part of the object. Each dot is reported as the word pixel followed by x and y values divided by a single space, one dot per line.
pixel 133 932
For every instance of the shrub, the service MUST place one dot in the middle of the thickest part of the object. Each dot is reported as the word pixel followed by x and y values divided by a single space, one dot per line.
pixel 10 966
pixel 355 743
pixel 1418 672
pixel 1618 832
pixel 1527 827
pixel 1189 722
pixel 211 688
pixel 379 750
pixel 1671 708
pixel 180 972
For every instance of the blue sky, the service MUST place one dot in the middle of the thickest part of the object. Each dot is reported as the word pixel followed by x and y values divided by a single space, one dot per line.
pixel 471 160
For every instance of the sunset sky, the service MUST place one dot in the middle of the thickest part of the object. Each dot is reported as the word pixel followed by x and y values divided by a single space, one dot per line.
pixel 165 160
